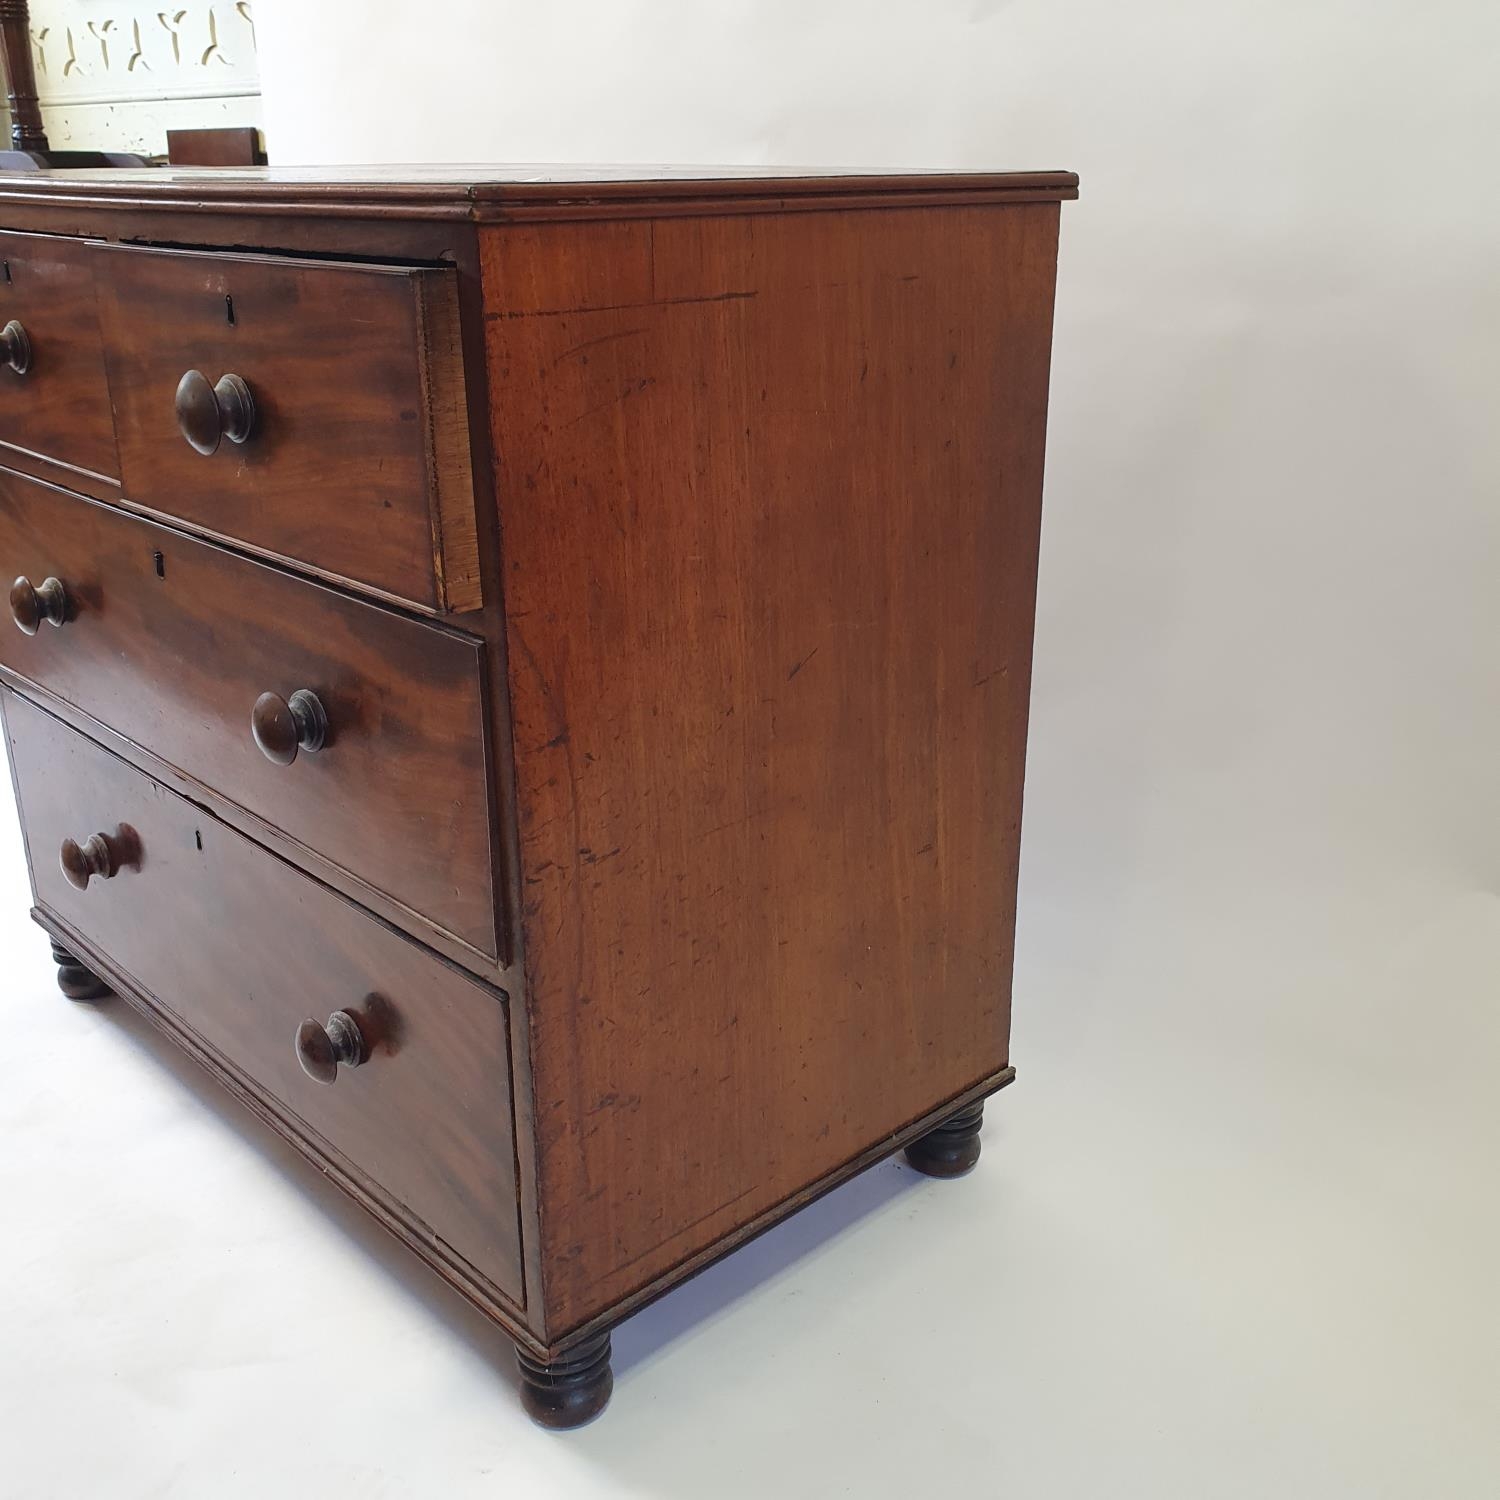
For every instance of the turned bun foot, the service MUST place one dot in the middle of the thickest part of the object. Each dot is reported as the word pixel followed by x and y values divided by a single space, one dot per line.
pixel 570 1391
pixel 76 982
pixel 951 1149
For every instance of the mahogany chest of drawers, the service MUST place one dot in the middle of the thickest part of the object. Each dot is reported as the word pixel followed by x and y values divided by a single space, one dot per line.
pixel 525 677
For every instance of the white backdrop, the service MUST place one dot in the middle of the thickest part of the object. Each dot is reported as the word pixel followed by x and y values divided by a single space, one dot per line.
pixel 1236 1229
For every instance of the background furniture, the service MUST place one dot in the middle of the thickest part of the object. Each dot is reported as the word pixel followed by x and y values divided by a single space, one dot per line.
pixel 230 146
pixel 28 136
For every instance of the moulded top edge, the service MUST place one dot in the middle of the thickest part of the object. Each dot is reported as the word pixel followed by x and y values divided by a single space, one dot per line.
pixel 485 192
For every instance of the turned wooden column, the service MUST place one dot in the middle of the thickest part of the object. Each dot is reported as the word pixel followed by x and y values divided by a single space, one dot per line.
pixel 26 130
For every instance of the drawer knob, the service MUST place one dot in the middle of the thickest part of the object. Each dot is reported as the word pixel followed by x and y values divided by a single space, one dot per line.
pixel 98 856
pixel 283 726
pixel 15 347
pixel 320 1049
pixel 30 606
pixel 207 414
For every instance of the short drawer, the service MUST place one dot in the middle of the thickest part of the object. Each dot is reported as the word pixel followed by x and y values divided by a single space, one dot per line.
pixel 54 398
pixel 332 397
pixel 242 949
pixel 172 642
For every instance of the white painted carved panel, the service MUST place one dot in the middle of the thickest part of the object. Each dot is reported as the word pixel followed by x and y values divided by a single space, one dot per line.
pixel 115 75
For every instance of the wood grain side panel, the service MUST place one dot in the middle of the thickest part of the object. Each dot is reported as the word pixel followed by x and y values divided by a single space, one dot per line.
pixel 770 492
pixel 241 947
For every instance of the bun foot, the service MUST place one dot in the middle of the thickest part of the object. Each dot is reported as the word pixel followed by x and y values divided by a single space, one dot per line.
pixel 570 1391
pixel 951 1149
pixel 76 982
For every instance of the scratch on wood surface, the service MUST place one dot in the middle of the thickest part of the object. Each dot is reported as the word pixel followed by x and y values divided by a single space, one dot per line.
pixel 615 400
pixel 510 314
pixel 755 812
pixel 685 1229
pixel 797 667
pixel 604 338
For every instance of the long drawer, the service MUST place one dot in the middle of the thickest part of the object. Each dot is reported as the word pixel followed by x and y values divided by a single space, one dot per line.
pixel 243 949
pixel 173 642
pixel 312 411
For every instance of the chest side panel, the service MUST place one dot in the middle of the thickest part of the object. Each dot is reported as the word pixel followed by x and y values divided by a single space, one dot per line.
pixel 770 490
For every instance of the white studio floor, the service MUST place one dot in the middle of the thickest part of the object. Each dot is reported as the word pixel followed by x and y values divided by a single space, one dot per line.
pixel 1249 1257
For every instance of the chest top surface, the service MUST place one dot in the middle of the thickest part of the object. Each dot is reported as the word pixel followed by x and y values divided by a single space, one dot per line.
pixel 492 193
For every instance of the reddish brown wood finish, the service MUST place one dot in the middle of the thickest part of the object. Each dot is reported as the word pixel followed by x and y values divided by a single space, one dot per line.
pixel 59 409
pixel 253 949
pixel 172 640
pixel 226 146
pixel 357 379
pixel 771 492
pixel 770 465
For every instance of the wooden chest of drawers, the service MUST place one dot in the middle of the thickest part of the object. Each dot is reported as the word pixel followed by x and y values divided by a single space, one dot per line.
pixel 525 677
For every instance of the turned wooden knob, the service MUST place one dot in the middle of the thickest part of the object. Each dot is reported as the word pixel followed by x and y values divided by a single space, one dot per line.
pixel 320 1049
pixel 207 414
pixel 30 606
pixel 283 726
pixel 15 347
pixel 97 856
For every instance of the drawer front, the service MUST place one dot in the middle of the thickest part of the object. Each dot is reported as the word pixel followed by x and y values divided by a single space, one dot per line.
pixel 242 948
pixel 58 406
pixel 355 454
pixel 171 641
